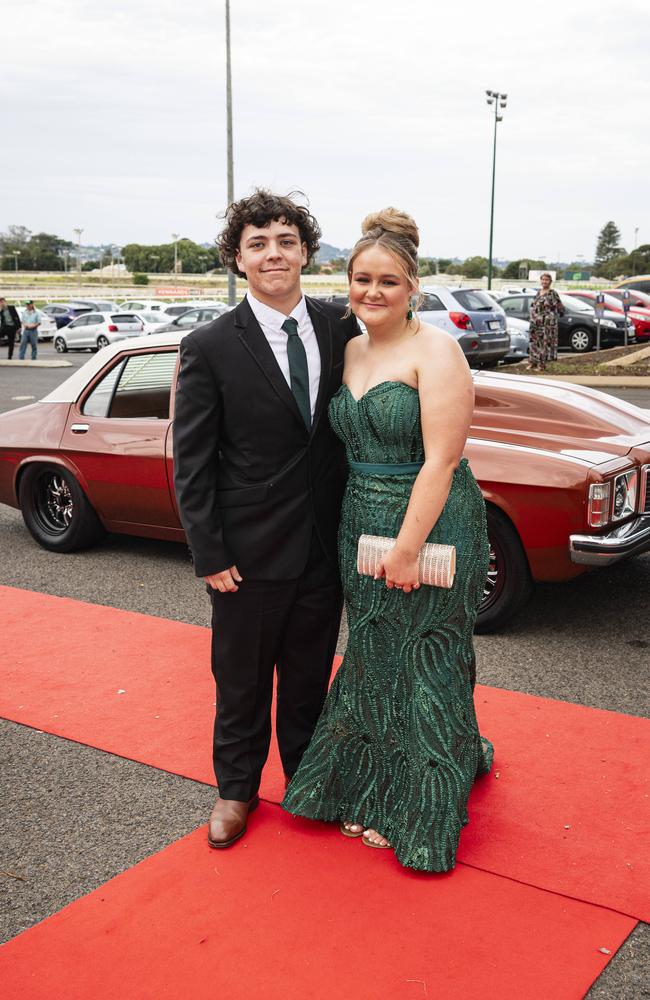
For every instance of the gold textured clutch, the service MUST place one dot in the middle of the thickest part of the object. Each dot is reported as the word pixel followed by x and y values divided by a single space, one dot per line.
pixel 437 562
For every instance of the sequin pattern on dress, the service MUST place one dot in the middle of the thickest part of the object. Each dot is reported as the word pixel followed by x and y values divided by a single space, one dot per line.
pixel 397 747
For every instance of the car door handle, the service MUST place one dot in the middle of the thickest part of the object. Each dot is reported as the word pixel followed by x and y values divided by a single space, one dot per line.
pixel 79 428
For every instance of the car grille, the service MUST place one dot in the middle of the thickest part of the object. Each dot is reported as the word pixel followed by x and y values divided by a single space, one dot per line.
pixel 645 490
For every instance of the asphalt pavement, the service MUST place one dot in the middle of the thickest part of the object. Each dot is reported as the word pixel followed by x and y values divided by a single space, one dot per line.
pixel 74 817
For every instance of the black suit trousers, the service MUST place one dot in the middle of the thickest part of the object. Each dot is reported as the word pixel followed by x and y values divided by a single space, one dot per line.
pixel 10 332
pixel 291 625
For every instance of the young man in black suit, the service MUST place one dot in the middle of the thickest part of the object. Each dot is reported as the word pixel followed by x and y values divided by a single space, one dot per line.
pixel 259 478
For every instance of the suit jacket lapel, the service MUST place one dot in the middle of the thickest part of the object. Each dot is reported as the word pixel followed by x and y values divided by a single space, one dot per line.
pixel 323 332
pixel 253 339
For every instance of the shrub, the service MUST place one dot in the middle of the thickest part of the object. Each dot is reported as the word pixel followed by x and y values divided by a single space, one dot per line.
pixel 140 279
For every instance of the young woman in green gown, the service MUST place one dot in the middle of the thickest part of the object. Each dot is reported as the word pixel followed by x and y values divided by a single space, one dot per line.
pixel 397 747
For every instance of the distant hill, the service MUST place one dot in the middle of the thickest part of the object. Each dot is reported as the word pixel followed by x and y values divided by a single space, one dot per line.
pixel 328 252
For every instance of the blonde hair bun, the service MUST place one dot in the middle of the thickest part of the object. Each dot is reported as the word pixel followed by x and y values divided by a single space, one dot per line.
pixel 391 220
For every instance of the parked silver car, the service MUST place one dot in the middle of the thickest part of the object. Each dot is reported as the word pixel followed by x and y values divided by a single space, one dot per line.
pixel 472 317
pixel 195 317
pixel 95 330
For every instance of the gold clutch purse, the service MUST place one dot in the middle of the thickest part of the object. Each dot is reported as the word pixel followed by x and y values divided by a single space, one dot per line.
pixel 437 564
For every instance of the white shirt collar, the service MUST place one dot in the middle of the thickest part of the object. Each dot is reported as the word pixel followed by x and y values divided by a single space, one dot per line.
pixel 269 317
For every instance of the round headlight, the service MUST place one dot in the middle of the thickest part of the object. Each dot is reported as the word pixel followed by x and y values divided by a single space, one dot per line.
pixel 620 496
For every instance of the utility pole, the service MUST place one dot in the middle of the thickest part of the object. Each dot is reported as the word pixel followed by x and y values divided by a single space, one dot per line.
pixel 499 101
pixel 232 279
pixel 175 239
pixel 78 231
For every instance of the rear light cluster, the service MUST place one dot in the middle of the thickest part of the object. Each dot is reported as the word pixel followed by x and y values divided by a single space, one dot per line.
pixel 461 320
pixel 112 328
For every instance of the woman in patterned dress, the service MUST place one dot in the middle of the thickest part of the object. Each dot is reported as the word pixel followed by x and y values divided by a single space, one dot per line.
pixel 545 310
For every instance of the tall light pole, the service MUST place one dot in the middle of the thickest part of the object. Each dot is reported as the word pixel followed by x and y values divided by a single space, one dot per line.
pixel 78 231
pixel 175 237
pixel 499 102
pixel 232 280
pixel 16 254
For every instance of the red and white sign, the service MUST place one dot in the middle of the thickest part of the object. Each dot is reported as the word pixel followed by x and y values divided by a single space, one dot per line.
pixel 175 291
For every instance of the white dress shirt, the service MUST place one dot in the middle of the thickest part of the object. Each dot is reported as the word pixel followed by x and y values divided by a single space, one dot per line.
pixel 271 322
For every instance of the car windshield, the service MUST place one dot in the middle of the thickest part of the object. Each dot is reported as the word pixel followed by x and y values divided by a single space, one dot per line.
pixel 153 318
pixel 473 301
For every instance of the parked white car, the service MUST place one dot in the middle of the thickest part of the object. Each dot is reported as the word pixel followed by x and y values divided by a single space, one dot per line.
pixel 144 305
pixel 47 328
pixel 95 330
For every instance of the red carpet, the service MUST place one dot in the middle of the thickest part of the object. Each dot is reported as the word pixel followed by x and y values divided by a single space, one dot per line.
pixel 296 911
pixel 565 808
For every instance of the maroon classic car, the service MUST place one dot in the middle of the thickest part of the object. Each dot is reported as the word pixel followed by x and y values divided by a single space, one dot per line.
pixel 564 470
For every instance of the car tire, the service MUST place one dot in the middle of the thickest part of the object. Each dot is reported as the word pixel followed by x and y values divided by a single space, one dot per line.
pixel 509 584
pixel 581 340
pixel 60 345
pixel 102 341
pixel 56 510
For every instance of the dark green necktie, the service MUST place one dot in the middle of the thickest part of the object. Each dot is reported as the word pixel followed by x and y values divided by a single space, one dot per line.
pixel 298 371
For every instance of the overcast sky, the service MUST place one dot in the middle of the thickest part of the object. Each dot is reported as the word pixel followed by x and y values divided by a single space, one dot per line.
pixel 114 117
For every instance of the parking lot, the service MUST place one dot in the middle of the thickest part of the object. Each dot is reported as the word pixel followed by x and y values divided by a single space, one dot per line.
pixel 75 816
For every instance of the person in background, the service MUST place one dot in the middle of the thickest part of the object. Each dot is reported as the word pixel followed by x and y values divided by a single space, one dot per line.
pixel 545 310
pixel 9 325
pixel 31 321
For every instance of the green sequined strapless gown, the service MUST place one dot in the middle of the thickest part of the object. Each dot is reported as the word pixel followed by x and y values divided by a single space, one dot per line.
pixel 397 746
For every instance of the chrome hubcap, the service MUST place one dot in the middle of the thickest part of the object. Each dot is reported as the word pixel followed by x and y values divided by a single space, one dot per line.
pixel 491 586
pixel 57 504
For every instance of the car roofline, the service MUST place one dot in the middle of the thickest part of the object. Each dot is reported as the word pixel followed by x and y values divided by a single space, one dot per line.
pixel 70 390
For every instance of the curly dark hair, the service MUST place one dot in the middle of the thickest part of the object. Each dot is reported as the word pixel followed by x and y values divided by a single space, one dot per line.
pixel 261 209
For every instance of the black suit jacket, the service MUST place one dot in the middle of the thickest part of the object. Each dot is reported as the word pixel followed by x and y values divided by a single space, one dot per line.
pixel 251 481
pixel 14 315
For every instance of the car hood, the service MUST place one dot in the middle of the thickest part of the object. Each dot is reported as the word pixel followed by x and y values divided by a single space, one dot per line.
pixel 557 417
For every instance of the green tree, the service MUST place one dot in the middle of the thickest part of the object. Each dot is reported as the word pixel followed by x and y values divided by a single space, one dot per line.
pixel 607 248
pixel 511 270
pixel 193 258
pixel 443 265
pixel 476 267
pixel 426 266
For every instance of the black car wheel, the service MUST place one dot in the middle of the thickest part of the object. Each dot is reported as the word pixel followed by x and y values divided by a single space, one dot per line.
pixel 581 340
pixel 56 511
pixel 508 584
pixel 102 341
pixel 60 345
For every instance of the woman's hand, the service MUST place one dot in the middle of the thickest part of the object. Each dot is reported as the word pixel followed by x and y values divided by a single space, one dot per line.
pixel 400 570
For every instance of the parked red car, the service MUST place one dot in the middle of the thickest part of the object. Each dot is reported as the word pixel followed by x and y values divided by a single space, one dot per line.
pixel 640 316
pixel 564 470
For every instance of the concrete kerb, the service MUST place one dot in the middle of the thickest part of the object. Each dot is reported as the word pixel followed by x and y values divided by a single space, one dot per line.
pixel 5 363
pixel 599 381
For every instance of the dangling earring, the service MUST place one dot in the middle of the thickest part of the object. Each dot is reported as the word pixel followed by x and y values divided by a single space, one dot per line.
pixel 409 315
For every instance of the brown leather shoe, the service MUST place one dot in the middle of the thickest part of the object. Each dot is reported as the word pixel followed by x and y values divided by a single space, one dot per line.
pixel 228 821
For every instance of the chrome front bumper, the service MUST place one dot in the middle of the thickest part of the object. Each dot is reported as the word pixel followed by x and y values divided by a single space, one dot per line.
pixel 600 550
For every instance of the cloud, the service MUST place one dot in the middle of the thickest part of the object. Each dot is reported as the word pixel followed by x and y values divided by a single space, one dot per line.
pixel 359 104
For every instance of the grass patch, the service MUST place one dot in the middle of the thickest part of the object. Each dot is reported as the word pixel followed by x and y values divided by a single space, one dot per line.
pixel 594 363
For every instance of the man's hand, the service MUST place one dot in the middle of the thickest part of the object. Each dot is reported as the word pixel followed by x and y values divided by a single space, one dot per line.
pixel 226 581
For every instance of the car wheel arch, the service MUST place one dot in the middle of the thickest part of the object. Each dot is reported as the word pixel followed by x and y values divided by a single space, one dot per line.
pixel 32 460
pixel 503 595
